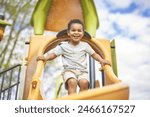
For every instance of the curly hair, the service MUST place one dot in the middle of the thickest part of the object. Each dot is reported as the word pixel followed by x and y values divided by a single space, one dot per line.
pixel 75 21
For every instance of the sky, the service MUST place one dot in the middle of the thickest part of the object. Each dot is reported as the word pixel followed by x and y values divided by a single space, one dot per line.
pixel 128 22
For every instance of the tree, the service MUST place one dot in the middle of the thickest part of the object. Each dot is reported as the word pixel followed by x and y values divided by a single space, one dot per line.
pixel 19 14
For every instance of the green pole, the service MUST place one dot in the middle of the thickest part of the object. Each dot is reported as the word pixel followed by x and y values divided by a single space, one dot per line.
pixel 113 56
pixel 39 16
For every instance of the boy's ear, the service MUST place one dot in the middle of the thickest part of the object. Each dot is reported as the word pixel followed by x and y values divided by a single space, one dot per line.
pixel 68 32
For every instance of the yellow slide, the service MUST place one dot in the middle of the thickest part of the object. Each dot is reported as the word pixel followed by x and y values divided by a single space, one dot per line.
pixel 113 89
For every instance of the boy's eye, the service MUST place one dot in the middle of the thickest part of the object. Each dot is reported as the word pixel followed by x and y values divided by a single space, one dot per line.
pixel 77 30
pixel 73 30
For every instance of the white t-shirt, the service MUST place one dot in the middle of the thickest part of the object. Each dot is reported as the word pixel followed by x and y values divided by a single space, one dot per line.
pixel 74 57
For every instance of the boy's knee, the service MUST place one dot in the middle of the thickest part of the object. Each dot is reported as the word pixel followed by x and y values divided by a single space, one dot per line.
pixel 72 82
pixel 83 83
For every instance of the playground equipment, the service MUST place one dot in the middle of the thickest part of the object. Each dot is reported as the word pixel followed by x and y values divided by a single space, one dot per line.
pixel 3 24
pixel 54 15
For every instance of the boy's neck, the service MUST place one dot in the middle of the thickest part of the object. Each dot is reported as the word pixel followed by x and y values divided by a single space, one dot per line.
pixel 74 43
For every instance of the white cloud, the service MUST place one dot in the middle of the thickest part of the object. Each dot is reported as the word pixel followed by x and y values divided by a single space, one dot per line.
pixel 133 64
pixel 132 23
pixel 113 3
pixel 143 3
pixel 119 3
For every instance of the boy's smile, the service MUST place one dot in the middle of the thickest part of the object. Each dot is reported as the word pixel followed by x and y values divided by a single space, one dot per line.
pixel 75 33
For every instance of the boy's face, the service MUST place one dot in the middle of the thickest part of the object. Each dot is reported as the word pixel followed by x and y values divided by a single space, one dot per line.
pixel 76 33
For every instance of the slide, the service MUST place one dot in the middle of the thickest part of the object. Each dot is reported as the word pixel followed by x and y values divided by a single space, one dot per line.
pixel 114 89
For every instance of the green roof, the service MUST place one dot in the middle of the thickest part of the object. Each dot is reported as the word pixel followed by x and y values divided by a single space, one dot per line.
pixel 2 22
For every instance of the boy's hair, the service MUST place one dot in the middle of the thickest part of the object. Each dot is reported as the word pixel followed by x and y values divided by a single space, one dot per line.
pixel 75 21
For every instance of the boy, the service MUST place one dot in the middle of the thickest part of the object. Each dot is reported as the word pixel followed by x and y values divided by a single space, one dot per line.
pixel 74 58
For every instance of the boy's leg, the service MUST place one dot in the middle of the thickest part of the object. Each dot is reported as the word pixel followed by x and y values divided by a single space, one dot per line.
pixel 72 85
pixel 83 81
pixel 70 80
pixel 83 84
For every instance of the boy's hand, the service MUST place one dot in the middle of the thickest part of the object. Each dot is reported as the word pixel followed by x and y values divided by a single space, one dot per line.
pixel 100 60
pixel 105 62
pixel 41 58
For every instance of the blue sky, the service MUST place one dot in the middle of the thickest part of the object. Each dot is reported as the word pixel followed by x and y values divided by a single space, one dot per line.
pixel 128 21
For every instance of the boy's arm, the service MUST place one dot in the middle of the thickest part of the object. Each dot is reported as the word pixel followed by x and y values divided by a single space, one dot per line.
pixel 100 60
pixel 49 57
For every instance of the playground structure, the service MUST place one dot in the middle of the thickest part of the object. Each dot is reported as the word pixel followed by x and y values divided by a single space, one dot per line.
pixel 3 24
pixel 54 15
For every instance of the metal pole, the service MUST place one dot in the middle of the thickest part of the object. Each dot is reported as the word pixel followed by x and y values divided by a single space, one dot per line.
pixel 103 81
pixel 92 72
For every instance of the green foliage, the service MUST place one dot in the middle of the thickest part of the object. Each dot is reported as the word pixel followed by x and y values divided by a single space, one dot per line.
pixel 18 13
